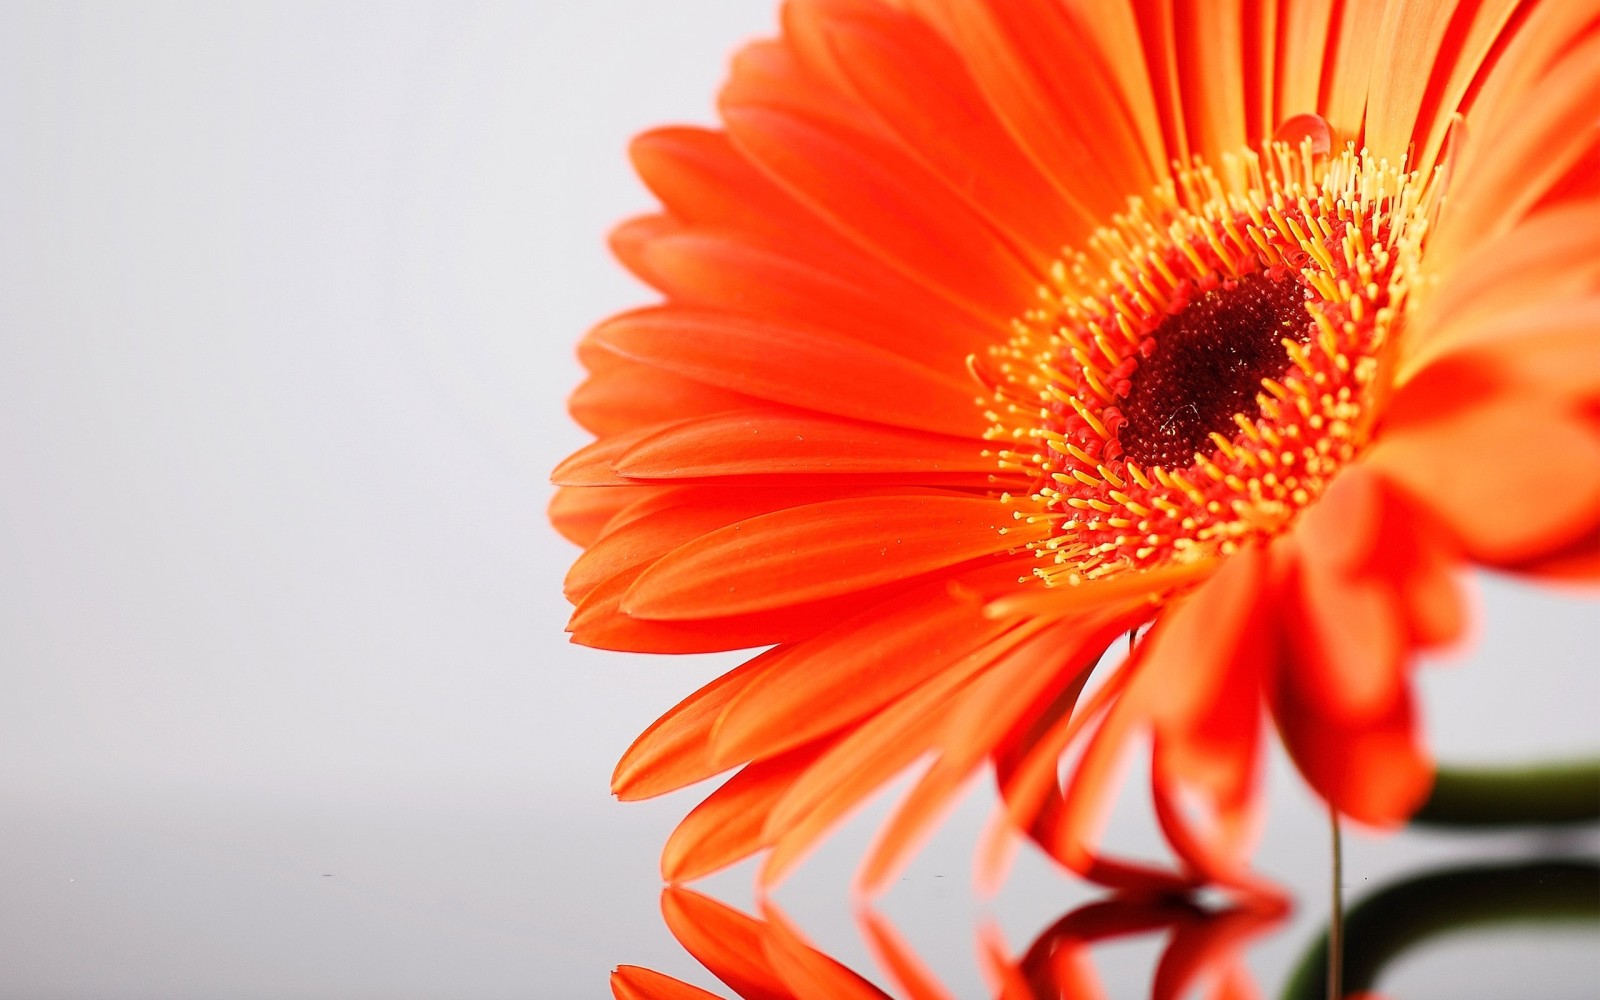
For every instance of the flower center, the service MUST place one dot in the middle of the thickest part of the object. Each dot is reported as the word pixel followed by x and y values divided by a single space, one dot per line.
pixel 1205 363
pixel 1198 374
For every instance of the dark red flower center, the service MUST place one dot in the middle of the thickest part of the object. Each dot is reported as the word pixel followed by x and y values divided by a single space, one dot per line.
pixel 1205 363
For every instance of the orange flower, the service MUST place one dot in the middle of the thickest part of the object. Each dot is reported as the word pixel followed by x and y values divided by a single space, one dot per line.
pixel 994 331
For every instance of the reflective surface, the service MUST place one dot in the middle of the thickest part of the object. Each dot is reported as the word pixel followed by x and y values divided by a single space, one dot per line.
pixel 289 296
pixel 1197 947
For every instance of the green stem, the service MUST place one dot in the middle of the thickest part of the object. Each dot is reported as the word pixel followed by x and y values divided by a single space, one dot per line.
pixel 1545 795
pixel 1336 911
pixel 1405 914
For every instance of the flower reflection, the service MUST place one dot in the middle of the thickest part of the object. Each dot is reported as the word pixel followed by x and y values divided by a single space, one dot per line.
pixel 1202 954
pixel 769 959
pixel 1204 948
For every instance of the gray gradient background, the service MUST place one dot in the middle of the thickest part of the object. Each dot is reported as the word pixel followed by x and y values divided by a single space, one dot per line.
pixel 288 295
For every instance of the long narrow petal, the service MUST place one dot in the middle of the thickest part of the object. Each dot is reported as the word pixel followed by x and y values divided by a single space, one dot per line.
pixel 1051 666
pixel 630 982
pixel 676 749
pixel 629 395
pixel 728 825
pixel 854 669
pixel 580 514
pixel 1538 134
pixel 600 622
pixel 887 203
pixel 638 537
pixel 800 366
pixel 861 762
pixel 895 61
pixel 856 297
pixel 1071 86
pixel 1306 29
pixel 786 443
pixel 1211 68
pixel 1348 78
pixel 822 551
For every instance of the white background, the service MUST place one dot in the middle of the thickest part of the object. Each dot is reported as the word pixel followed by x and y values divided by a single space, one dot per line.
pixel 288 294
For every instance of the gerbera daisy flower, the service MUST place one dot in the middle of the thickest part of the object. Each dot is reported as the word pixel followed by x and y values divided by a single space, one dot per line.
pixel 993 332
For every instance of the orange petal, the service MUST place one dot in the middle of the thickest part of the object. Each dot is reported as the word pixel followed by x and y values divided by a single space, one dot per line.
pixel 1043 671
pixel 1548 350
pixel 630 982
pixel 727 826
pixel 821 551
pixel 853 295
pixel 641 542
pixel 854 669
pixel 1159 36
pixel 593 464
pixel 643 534
pixel 1512 478
pixel 599 622
pixel 1211 68
pixel 1415 557
pixel 1071 836
pixel 858 764
pixel 1548 259
pixel 1578 562
pixel 773 442
pixel 1071 88
pixel 1200 684
pixel 580 513
pixel 1463 51
pixel 886 203
pixel 628 395
pixel 1305 30
pixel 1372 770
pixel 1348 78
pixel 805 367
pixel 798 73
pixel 1344 630
pixel 1411 47
pixel 703 180
pixel 1084 597
pixel 895 61
pixel 1544 131
pixel 630 240
pixel 1205 645
pixel 676 750
pixel 1027 768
